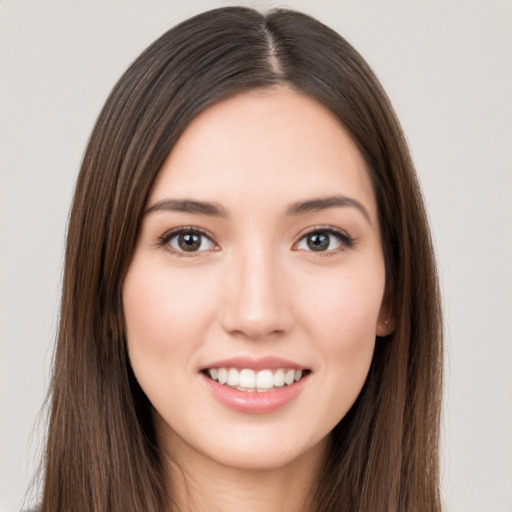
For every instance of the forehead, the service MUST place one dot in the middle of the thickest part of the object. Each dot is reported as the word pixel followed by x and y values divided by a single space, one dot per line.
pixel 273 145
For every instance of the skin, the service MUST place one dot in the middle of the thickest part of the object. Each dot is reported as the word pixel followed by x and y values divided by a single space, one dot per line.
pixel 255 288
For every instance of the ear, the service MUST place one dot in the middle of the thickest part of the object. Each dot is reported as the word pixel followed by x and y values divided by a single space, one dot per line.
pixel 386 323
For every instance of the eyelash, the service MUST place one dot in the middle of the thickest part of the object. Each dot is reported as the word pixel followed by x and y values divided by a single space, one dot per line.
pixel 164 240
pixel 346 241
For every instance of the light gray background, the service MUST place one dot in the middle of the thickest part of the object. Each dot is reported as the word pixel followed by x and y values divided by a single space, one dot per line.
pixel 447 66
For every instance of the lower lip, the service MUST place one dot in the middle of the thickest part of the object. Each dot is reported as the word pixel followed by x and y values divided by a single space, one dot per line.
pixel 253 402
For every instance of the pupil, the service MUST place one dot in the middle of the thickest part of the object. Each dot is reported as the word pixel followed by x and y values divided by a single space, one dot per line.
pixel 189 242
pixel 318 241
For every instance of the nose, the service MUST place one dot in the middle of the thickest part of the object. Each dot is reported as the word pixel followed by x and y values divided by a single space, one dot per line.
pixel 257 304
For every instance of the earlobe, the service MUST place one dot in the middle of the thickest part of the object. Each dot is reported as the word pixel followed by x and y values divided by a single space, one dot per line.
pixel 384 328
pixel 386 322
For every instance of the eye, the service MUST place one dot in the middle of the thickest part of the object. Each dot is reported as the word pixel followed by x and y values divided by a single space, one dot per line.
pixel 324 240
pixel 187 240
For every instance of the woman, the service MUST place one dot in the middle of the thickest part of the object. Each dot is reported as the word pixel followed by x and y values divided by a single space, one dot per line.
pixel 250 313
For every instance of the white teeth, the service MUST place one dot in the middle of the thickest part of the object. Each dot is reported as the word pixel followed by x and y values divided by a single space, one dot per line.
pixel 249 380
pixel 289 377
pixel 222 375
pixel 265 379
pixel 233 377
pixel 279 378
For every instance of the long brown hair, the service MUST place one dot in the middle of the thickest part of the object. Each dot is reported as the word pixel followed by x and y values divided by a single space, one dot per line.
pixel 101 452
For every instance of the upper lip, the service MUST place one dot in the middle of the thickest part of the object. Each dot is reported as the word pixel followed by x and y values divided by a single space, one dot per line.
pixel 256 363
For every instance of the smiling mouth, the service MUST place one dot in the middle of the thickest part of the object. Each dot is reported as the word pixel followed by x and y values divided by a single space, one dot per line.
pixel 261 381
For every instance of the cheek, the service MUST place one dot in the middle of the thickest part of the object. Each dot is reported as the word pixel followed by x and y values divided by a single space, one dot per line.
pixel 344 311
pixel 342 316
pixel 166 312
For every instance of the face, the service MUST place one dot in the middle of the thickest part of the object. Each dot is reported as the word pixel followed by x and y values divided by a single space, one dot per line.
pixel 255 292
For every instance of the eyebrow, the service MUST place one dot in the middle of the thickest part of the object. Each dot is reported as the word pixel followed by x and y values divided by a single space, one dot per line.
pixel 323 203
pixel 298 208
pixel 188 206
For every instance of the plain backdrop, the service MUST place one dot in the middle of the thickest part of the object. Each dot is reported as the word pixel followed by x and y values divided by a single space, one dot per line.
pixel 447 66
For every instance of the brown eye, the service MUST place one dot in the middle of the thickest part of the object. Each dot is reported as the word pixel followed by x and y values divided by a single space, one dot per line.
pixel 188 241
pixel 328 240
pixel 318 241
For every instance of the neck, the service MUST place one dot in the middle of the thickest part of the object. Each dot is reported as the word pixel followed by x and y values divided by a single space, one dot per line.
pixel 203 485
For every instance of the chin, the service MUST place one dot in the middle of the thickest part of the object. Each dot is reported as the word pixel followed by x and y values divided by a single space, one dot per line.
pixel 255 449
